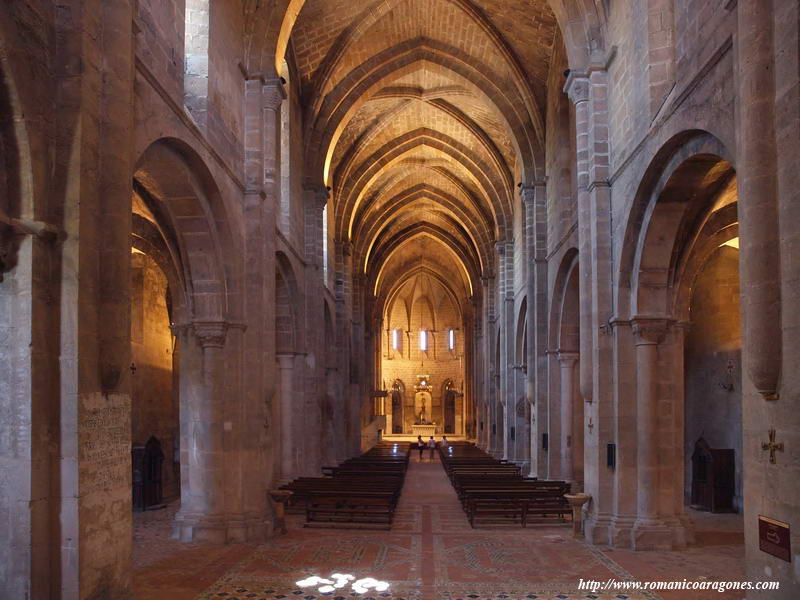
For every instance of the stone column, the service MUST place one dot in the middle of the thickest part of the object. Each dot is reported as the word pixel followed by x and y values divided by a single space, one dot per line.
pixel 315 198
pixel 536 466
pixel 589 92
pixel 489 386
pixel 201 518
pixel 534 199
pixel 567 362
pixel 272 96
pixel 262 103
pixel 343 410
pixel 505 296
pixel 286 373
pixel 578 89
pixel 758 197
pixel 648 530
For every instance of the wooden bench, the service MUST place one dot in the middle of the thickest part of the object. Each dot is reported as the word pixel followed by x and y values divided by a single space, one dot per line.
pixel 493 492
pixel 360 493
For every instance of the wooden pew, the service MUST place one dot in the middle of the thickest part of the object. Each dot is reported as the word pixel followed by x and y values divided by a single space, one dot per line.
pixel 362 492
pixel 493 492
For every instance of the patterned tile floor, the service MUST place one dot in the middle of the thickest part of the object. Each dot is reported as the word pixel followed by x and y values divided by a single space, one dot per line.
pixel 431 553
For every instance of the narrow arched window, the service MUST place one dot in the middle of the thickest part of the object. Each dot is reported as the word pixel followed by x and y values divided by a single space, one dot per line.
pixel 195 49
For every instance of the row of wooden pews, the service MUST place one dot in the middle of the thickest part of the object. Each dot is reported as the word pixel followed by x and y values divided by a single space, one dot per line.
pixel 360 493
pixel 494 492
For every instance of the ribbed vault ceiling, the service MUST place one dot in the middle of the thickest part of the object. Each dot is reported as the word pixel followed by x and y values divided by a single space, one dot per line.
pixel 422 115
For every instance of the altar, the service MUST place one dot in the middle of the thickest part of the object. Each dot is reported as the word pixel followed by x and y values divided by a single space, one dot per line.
pixel 425 431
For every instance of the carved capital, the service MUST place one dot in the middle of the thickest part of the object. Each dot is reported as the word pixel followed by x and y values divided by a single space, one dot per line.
pixel 272 93
pixel 317 195
pixel 649 330
pixel 577 87
pixel 285 360
pixel 527 191
pixel 567 359
pixel 211 334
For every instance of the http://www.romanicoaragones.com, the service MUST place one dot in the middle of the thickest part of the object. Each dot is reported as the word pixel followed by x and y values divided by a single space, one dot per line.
pixel 685 584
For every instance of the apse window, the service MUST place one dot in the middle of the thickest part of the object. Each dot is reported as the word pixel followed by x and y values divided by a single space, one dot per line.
pixel 451 339
pixel 423 341
pixel 397 340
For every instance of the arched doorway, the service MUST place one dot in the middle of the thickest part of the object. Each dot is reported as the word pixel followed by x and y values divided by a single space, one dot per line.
pixel 567 420
pixel 449 396
pixel 292 448
pixel 181 289
pixel 155 413
pixel 398 399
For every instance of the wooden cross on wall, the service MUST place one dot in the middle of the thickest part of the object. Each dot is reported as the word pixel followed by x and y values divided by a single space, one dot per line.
pixel 772 446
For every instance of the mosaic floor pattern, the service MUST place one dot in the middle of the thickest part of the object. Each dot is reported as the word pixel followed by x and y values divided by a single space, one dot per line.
pixel 431 553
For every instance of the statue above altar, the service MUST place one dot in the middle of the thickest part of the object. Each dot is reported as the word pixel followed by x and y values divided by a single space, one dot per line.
pixel 423 401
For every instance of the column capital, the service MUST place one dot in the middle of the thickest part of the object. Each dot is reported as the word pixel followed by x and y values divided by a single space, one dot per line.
pixel 179 329
pixel 272 93
pixel 211 334
pixel 345 246
pixel 285 360
pixel 577 87
pixel 567 359
pixel 650 330
pixel 504 247
pixel 318 194
pixel 528 190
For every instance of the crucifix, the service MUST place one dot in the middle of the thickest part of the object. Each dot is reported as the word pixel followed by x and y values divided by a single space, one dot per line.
pixel 590 425
pixel 772 446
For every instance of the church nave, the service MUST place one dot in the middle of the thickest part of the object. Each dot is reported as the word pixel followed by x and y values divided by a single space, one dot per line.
pixel 252 247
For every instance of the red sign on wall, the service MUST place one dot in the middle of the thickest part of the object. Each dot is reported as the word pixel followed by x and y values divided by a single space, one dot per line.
pixel 773 538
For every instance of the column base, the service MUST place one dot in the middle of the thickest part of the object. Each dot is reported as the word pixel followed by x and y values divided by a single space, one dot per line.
pixel 219 530
pixel 596 529
pixel 656 534
pixel 688 528
pixel 619 531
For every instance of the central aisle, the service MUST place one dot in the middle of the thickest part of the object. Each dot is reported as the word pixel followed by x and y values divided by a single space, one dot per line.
pixel 431 553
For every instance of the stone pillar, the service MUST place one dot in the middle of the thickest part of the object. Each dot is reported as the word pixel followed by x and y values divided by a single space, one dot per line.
pixel 315 198
pixel 536 464
pixel 342 413
pixel 534 198
pixel 272 95
pixel 649 533
pixel 258 462
pixel 286 372
pixel 758 197
pixel 578 89
pixel 567 362
pixel 201 518
pixel 505 298
pixel 589 92
pixel 490 382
